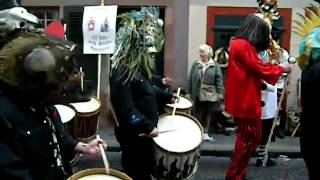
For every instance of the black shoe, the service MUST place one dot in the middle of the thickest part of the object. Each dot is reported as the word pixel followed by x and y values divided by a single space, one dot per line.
pixel 225 120
pixel 270 162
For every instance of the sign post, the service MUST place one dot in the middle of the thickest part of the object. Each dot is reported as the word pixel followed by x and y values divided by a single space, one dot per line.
pixel 99 33
pixel 99 67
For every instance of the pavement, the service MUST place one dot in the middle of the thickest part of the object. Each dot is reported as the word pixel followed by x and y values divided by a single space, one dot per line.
pixel 222 146
pixel 215 159
pixel 215 168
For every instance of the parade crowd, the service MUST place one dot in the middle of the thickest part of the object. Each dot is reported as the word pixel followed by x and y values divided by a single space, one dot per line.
pixel 239 87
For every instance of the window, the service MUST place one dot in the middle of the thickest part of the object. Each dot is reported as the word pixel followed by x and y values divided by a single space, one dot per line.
pixel 222 23
pixel 45 14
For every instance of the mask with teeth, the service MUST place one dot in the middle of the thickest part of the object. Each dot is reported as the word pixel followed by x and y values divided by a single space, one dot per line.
pixel 269 7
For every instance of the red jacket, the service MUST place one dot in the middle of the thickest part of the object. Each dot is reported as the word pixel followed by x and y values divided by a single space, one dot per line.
pixel 245 74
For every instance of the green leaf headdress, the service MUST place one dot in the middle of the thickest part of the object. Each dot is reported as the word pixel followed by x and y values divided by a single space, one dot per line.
pixel 140 34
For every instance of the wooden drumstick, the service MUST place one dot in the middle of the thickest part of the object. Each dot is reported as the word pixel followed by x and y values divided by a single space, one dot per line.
pixel 274 124
pixel 104 157
pixel 175 103
pixel 295 130
pixel 160 132
pixel 81 77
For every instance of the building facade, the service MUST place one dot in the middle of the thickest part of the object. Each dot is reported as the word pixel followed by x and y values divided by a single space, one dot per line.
pixel 175 14
pixel 188 24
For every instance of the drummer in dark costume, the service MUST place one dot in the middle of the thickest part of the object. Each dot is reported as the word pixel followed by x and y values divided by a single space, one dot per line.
pixel 36 70
pixel 158 81
pixel 134 98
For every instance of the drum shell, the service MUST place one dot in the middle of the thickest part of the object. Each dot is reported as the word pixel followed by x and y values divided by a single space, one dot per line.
pixel 186 164
pixel 94 171
pixel 86 124
pixel 167 158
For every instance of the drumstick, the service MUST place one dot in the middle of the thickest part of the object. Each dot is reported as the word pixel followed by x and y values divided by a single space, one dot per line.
pixel 81 77
pixel 160 132
pixel 165 131
pixel 104 157
pixel 175 103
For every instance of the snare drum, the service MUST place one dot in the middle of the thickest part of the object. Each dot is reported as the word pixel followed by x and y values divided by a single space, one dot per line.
pixel 183 105
pixel 177 148
pixel 87 118
pixel 99 174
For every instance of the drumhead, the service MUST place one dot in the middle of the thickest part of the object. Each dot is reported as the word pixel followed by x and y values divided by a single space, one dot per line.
pixel 181 133
pixel 87 107
pixel 99 174
pixel 99 177
pixel 65 112
pixel 183 103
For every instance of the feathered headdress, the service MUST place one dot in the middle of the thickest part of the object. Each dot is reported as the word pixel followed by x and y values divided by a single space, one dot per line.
pixel 309 30
pixel 139 35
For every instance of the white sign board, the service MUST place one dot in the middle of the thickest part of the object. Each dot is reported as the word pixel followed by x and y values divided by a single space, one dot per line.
pixel 99 29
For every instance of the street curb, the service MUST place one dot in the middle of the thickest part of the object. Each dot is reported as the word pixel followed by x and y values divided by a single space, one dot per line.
pixel 227 153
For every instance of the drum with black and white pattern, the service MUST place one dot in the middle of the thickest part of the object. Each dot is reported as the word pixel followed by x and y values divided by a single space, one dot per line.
pixel 177 146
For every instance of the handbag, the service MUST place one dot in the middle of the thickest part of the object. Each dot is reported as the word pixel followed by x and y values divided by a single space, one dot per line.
pixel 208 93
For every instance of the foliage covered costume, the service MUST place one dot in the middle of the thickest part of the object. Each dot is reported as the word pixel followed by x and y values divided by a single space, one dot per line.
pixel 133 96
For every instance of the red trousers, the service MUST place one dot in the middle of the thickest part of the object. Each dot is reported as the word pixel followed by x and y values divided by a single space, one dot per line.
pixel 248 137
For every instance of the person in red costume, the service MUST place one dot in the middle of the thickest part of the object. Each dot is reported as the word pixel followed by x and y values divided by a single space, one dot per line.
pixel 243 88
